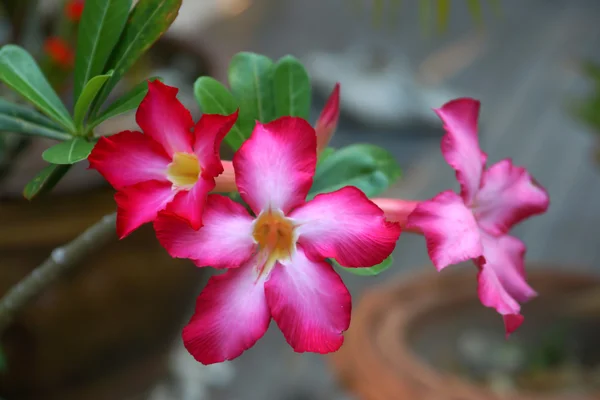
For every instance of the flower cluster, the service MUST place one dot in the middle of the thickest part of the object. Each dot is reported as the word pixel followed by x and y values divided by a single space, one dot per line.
pixel 277 250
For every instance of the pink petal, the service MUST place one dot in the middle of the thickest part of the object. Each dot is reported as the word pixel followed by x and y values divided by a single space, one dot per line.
pixel 209 132
pixel 274 168
pixel 128 158
pixel 460 145
pixel 508 196
pixel 225 240
pixel 162 117
pixel 310 304
pixel 140 203
pixel 189 204
pixel 450 229
pixel 327 122
pixel 502 283
pixel 347 226
pixel 231 315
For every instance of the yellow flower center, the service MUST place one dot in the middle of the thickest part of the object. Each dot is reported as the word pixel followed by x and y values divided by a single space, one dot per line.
pixel 275 236
pixel 184 170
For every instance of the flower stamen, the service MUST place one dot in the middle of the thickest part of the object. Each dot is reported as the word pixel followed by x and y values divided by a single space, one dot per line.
pixel 184 171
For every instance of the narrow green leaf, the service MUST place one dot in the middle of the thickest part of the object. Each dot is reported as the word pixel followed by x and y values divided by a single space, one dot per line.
pixel 68 152
pixel 370 168
pixel 148 21
pixel 129 101
pixel 19 71
pixel 19 119
pixel 91 89
pixel 475 10
pixel 443 14
pixel 250 77
pixel 291 88
pixel 102 22
pixel 214 98
pixel 45 180
pixel 369 271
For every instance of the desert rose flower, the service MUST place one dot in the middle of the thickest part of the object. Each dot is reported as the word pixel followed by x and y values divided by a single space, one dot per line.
pixel 475 224
pixel 172 165
pixel 327 122
pixel 276 259
pixel 60 52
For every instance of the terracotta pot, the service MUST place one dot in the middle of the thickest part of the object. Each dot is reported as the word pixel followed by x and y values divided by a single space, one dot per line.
pixel 399 333
pixel 104 330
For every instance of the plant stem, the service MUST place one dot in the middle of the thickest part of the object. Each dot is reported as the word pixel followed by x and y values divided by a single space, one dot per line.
pixel 61 260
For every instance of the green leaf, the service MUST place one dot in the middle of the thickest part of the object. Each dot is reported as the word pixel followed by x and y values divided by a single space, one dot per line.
pixel 475 10
pixel 19 71
pixel 102 22
pixel 148 21
pixel 370 271
pixel 19 119
pixel 327 151
pixel 250 77
pixel 45 180
pixel 370 168
pixel 443 14
pixel 127 102
pixel 68 152
pixel 91 89
pixel 214 98
pixel 291 88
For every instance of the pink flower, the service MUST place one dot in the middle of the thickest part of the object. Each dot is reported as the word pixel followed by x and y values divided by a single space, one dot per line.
pixel 327 122
pixel 475 224
pixel 276 260
pixel 168 166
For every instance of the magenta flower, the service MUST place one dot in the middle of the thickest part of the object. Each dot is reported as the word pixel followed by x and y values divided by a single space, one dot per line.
pixel 169 166
pixel 276 260
pixel 475 224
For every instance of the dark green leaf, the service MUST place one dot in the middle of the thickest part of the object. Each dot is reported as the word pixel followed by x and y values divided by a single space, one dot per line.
pixel 102 22
pixel 19 119
pixel 291 88
pixel 20 71
pixel 475 10
pixel 214 98
pixel 68 152
pixel 91 89
pixel 443 14
pixel 370 271
pixel 127 102
pixel 250 77
pixel 45 180
pixel 148 21
pixel 370 168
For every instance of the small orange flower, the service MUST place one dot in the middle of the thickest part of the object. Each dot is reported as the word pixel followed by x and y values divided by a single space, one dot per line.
pixel 59 51
pixel 73 9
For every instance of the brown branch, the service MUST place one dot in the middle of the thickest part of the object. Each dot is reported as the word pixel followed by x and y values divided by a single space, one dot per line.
pixel 61 260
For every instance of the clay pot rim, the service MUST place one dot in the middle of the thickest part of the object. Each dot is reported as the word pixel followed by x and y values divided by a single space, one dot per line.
pixel 398 324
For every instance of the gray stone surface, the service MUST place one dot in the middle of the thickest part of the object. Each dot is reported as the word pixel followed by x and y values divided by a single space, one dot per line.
pixel 524 78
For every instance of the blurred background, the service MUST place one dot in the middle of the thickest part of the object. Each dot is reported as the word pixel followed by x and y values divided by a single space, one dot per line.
pixel 528 63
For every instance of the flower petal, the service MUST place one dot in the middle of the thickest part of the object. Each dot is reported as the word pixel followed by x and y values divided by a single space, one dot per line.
pixel 140 203
pixel 502 283
pixel 347 226
pixel 231 315
pixel 460 145
pixel 327 122
pixel 449 227
pixel 209 132
pixel 310 304
pixel 508 196
pixel 189 204
pixel 225 240
pixel 274 168
pixel 128 158
pixel 162 117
